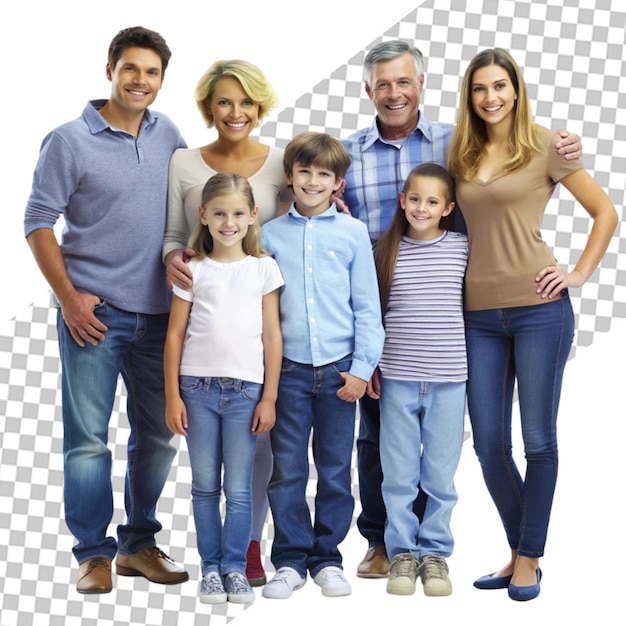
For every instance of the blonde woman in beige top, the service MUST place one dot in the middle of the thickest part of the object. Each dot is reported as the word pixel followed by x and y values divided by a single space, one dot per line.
pixel 518 316
pixel 233 96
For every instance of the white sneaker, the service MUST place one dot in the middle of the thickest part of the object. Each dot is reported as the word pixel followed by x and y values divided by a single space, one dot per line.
pixel 333 582
pixel 284 582
pixel 211 589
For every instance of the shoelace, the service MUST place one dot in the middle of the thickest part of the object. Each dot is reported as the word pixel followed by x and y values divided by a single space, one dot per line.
pixel 331 574
pixel 434 567
pixel 404 566
pixel 212 584
pixel 97 562
pixel 158 553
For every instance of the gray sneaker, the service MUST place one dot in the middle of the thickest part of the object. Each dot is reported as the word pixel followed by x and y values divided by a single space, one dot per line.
pixel 238 588
pixel 402 575
pixel 211 589
pixel 433 571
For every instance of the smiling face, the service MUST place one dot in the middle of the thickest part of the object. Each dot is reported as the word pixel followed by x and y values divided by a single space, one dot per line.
pixel 425 202
pixel 493 95
pixel 395 90
pixel 234 113
pixel 135 80
pixel 312 186
pixel 227 217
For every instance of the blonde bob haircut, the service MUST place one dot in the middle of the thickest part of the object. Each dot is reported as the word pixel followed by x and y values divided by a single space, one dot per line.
pixel 252 80
pixel 224 184
pixel 470 136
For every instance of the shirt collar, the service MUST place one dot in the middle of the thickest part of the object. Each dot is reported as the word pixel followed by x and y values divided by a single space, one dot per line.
pixel 97 123
pixel 424 127
pixel 331 211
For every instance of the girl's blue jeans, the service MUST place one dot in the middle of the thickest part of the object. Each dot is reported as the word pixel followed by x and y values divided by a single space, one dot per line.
pixel 219 434
pixel 421 435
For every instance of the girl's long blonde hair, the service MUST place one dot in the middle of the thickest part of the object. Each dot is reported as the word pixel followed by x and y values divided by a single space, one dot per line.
pixel 470 136
pixel 224 184
pixel 388 246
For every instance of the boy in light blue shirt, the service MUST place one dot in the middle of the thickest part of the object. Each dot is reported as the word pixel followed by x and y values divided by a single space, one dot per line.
pixel 332 340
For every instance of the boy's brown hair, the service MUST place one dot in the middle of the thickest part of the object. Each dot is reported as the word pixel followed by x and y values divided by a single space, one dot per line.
pixel 319 149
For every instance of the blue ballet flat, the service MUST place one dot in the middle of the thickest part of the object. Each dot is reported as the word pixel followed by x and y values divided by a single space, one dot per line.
pixel 529 592
pixel 492 582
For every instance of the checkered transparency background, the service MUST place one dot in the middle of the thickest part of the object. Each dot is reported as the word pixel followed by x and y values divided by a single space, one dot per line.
pixel 571 55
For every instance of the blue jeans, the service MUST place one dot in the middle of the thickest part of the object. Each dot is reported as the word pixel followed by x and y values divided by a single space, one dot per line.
pixel 421 436
pixel 529 344
pixel 219 412
pixel 373 516
pixel 133 346
pixel 307 399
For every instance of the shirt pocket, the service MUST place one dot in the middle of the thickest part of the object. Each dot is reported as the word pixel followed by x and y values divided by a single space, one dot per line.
pixel 333 266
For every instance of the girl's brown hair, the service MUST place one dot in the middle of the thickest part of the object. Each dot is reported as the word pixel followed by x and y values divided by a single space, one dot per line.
pixel 386 251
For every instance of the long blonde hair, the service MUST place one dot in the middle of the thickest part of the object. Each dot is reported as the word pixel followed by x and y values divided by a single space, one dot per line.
pixel 388 246
pixel 467 146
pixel 224 184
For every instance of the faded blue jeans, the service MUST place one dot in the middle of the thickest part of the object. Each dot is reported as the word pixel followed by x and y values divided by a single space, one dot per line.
pixel 529 345
pixel 421 436
pixel 219 435
pixel 133 346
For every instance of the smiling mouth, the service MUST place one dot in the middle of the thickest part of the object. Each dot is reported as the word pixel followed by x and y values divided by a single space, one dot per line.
pixel 236 125
pixel 395 107
pixel 492 109
pixel 139 94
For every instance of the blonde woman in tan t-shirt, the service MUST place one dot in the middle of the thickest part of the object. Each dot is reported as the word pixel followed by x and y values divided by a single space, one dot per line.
pixel 518 316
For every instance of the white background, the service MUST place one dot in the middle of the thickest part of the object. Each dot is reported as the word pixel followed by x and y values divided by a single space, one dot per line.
pixel 53 57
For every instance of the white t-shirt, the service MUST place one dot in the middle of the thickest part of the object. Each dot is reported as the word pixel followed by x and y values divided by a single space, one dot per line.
pixel 223 335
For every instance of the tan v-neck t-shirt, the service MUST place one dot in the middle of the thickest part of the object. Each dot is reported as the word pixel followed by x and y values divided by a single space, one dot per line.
pixel 504 216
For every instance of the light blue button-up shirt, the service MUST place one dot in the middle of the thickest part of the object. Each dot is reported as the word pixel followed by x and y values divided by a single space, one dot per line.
pixel 329 305
pixel 380 167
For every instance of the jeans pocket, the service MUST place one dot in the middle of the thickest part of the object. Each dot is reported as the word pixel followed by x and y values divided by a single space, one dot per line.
pixel 288 366
pixel 251 391
pixel 341 366
pixel 189 383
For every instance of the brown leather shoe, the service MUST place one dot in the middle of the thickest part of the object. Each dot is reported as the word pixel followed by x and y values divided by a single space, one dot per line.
pixel 375 563
pixel 94 576
pixel 153 564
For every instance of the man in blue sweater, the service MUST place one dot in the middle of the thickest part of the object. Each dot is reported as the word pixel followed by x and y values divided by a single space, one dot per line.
pixel 106 174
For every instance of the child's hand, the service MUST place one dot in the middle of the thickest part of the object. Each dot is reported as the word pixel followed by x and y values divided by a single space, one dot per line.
pixel 373 386
pixel 176 416
pixel 353 388
pixel 264 417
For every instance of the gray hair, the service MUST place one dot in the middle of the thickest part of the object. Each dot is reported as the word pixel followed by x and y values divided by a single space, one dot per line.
pixel 389 50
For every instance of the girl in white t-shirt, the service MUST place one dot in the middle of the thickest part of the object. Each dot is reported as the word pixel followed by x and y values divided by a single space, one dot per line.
pixel 222 364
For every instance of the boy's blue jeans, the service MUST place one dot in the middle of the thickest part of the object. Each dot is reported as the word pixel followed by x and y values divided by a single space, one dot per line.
pixel 421 436
pixel 219 433
pixel 529 345
pixel 133 346
pixel 307 400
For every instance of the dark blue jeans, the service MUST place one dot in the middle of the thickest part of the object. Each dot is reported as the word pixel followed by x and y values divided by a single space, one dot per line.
pixel 307 400
pixel 528 345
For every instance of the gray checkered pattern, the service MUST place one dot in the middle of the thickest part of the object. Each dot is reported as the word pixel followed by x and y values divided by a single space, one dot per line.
pixel 571 53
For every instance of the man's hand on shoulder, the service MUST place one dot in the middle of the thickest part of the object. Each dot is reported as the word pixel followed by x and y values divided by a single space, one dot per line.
pixel 570 146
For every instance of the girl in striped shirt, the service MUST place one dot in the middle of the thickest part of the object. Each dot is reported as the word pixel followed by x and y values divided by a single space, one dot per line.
pixel 421 378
